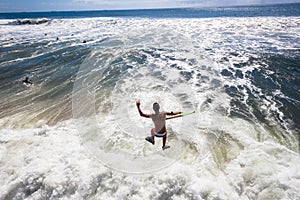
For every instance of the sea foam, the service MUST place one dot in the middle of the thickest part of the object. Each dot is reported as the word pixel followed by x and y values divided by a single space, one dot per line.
pixel 228 153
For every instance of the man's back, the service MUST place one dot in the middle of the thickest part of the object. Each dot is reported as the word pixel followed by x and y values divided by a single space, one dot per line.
pixel 159 120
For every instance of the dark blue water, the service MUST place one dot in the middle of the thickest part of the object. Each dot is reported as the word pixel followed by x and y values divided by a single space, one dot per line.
pixel 236 11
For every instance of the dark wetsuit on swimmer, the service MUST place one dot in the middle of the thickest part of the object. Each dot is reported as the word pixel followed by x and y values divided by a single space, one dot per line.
pixel 159 120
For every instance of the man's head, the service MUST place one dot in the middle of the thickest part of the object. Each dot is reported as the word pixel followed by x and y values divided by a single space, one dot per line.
pixel 156 107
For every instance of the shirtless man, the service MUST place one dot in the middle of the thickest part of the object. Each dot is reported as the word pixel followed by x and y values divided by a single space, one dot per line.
pixel 159 120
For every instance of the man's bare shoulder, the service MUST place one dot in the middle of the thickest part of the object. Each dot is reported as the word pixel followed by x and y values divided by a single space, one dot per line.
pixel 163 113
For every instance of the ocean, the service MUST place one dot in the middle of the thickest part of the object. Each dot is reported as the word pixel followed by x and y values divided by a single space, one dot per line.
pixel 71 130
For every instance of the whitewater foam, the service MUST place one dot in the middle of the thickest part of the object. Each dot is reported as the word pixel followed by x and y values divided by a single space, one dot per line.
pixel 44 154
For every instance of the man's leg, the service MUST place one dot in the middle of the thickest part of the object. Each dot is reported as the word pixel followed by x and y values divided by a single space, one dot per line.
pixel 164 141
pixel 152 135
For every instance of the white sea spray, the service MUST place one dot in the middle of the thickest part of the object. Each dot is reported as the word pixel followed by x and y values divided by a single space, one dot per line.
pixel 44 157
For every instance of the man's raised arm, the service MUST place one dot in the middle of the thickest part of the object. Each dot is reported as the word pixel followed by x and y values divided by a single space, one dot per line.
pixel 138 103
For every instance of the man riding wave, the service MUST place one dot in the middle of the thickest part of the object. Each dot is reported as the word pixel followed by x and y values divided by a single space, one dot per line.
pixel 159 120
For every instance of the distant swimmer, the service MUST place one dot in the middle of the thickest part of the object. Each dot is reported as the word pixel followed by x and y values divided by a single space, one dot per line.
pixel 159 120
pixel 27 81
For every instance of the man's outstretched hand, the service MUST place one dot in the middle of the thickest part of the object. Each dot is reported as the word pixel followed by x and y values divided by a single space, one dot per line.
pixel 138 102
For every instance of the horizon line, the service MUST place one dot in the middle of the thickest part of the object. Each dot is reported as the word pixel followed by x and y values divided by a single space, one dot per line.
pixel 161 8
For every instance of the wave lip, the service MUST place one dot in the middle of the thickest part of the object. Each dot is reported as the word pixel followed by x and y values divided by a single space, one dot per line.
pixel 29 21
